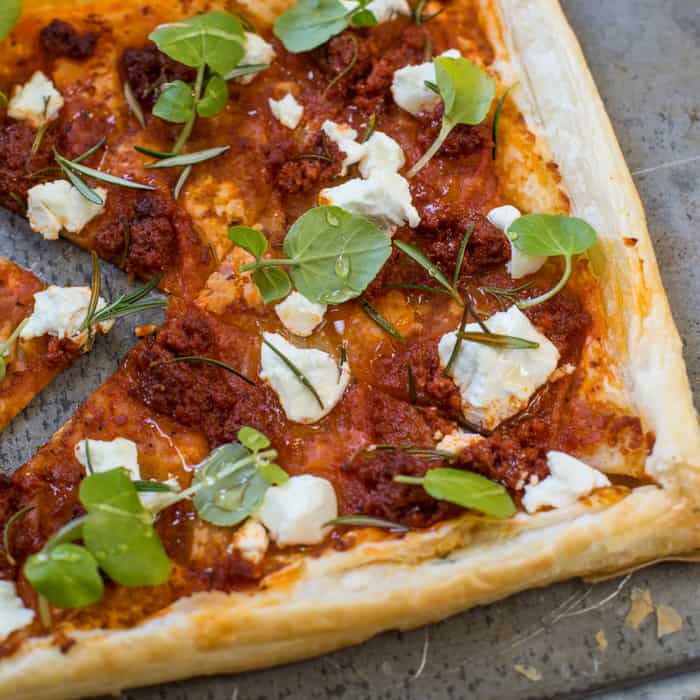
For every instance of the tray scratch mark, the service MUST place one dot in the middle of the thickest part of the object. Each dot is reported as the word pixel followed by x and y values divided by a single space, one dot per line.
pixel 664 166
pixel 424 657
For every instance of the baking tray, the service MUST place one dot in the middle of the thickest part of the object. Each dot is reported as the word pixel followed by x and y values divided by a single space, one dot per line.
pixel 644 55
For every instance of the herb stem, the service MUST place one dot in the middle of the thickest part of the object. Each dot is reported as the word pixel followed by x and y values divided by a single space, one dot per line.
pixel 265 262
pixel 189 125
pixel 445 130
pixel 527 303
pixel 403 479
pixel 5 346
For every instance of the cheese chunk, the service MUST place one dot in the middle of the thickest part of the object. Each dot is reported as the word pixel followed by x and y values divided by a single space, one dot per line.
pixel 251 540
pixel 569 480
pixel 383 10
pixel 299 315
pixel 287 111
pixel 58 205
pixel 409 89
pixel 13 613
pixel 520 264
pixel 496 383
pixel 382 153
pixel 257 52
pixel 296 511
pixel 384 198
pixel 317 366
pixel 106 455
pixel 457 440
pixel 345 137
pixel 37 102
pixel 60 311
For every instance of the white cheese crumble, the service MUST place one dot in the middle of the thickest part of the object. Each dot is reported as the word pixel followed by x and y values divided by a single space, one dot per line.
pixel 345 137
pixel 457 440
pixel 384 198
pixel 58 205
pixel 106 455
pixel 257 52
pixel 382 153
pixel 60 311
pixel 317 366
pixel 409 89
pixel 37 102
pixel 13 613
pixel 520 264
pixel 496 383
pixel 296 511
pixel 299 315
pixel 251 540
pixel 569 480
pixel 383 10
pixel 287 110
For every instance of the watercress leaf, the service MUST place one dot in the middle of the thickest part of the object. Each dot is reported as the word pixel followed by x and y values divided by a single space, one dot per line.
pixel 9 14
pixel 469 490
pixel 364 18
pixel 310 23
pixel 249 239
pixel 67 575
pixel 111 491
pixel 334 254
pixel 3 99
pixel 214 98
pixel 254 493
pixel 549 234
pixel 175 103
pixel 466 90
pixel 215 39
pixel 252 439
pixel 273 283
pixel 153 487
pixel 273 473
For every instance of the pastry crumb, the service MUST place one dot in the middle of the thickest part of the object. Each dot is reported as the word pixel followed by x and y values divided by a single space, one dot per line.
pixel 668 621
pixel 530 672
pixel 601 640
pixel 143 331
pixel 641 607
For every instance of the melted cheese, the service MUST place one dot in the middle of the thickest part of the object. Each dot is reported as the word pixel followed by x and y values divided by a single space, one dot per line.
pixel 287 111
pixel 383 10
pixel 257 52
pixel 13 613
pixel 37 102
pixel 299 315
pixel 251 541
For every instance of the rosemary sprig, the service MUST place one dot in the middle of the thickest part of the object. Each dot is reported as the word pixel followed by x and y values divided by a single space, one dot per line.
pixel 134 105
pixel 95 286
pixel 176 161
pixel 249 69
pixel 6 346
pixel 503 295
pixel 412 397
pixel 145 486
pixel 366 521
pixel 460 254
pixel 382 322
pixel 152 152
pixel 507 342
pixel 418 287
pixel 418 16
pixel 295 371
pixel 458 343
pixel 7 532
pixel 38 138
pixel 370 128
pixel 347 69
pixel 88 458
pixel 184 176
pixel 496 119
pixel 416 451
pixel 201 359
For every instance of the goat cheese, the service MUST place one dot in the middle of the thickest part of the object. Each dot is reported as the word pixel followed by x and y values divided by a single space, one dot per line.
pixel 383 10
pixel 296 511
pixel 345 137
pixel 251 540
pixel 257 52
pixel 569 480
pixel 13 613
pixel 457 440
pixel 287 111
pixel 496 383
pixel 520 264
pixel 60 311
pixel 317 366
pixel 409 89
pixel 384 198
pixel 382 153
pixel 58 205
pixel 37 102
pixel 299 315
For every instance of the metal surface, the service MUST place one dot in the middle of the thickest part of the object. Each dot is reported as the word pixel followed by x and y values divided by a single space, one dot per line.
pixel 644 55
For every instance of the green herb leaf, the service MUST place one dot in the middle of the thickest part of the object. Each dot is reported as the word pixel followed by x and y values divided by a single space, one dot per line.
pixel 366 521
pixel 98 174
pixel 273 283
pixel 175 103
pixel 253 439
pixel 152 152
pixel 250 239
pixel 7 531
pixel 145 486
pixel 364 18
pixel 214 39
pixel 417 255
pixel 497 118
pixel 466 489
pixel 214 98
pixel 3 99
pixel 205 361
pixel 127 304
pixel 10 11
pixel 188 158
pixel 66 575
pixel 467 93
pixel 184 175
pixel 310 23
pixel 250 69
pixel 273 473
pixel 507 342
pixel 460 254
pixel 379 319
pixel 134 105
pixel 296 372
pixel 6 346
pixel 82 187
pixel 427 452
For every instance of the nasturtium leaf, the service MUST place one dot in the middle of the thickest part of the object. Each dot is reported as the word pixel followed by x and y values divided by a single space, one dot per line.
pixel 273 283
pixel 10 11
pixel 549 234
pixel 273 473
pixel 466 90
pixel 310 23
pixel 469 490
pixel 111 491
pixel 250 239
pixel 334 255
pixel 214 39
pixel 214 98
pixel 253 439
pixel 175 103
pixel 67 576
pixel 364 18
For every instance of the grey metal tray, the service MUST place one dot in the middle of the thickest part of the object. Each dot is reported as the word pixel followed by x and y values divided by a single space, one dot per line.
pixel 645 56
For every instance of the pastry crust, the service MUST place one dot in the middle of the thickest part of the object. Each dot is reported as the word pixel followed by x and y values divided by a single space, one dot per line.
pixel 344 598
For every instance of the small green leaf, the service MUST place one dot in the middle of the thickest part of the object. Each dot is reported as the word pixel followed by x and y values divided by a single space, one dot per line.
pixel 7 531
pixel 273 473
pixel 98 174
pixel 379 319
pixel 507 342
pixel 6 346
pixel 188 159
pixel 3 99
pixel 110 491
pixel 214 98
pixel 418 256
pixel 273 283
pixel 364 18
pixel 214 39
pixel 366 521
pixel 249 69
pixel 497 119
pixel 67 576
pixel 250 239
pixel 201 359
pixel 310 23
pixel 175 103
pixel 10 11
pixel 253 439
pixel 549 234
